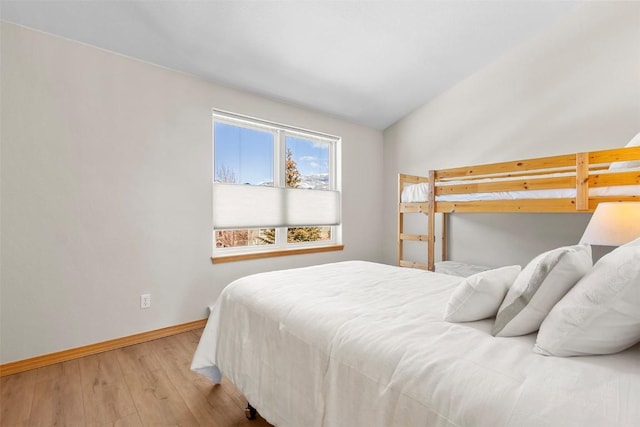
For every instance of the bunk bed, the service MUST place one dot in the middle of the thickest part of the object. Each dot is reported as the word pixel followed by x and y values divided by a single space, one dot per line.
pixel 567 183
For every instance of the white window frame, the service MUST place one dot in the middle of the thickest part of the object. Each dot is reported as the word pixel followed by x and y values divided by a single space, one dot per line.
pixel 280 132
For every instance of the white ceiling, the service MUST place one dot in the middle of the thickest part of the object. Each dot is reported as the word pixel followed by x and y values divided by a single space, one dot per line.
pixel 370 62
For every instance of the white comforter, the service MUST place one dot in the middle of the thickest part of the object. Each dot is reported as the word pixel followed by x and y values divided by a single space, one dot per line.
pixel 363 344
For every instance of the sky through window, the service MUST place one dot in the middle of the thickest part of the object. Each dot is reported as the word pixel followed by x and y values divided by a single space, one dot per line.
pixel 248 153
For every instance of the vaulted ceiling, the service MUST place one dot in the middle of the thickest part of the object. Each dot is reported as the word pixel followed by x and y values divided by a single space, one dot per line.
pixel 370 62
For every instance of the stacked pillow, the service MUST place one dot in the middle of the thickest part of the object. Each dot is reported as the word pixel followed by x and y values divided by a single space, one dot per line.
pixel 601 314
pixel 479 296
pixel 578 309
pixel 520 299
pixel 542 283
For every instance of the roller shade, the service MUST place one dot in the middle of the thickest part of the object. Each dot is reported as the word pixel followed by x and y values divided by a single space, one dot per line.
pixel 255 206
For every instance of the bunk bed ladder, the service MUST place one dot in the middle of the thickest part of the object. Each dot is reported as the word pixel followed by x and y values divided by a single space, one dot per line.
pixel 431 222
pixel 428 209
pixel 402 236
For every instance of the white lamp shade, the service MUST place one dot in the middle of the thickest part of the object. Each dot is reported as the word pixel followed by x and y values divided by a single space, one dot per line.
pixel 613 224
pixel 255 206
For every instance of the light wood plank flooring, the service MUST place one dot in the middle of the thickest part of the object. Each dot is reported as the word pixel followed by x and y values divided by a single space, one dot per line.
pixel 148 384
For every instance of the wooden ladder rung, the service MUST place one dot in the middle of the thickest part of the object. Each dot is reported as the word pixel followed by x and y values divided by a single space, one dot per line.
pixel 417 237
pixel 412 264
pixel 414 208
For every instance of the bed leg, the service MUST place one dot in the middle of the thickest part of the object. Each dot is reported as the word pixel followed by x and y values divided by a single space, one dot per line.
pixel 250 412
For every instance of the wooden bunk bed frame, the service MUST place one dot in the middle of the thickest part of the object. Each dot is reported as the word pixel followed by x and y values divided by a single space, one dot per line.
pixel 581 171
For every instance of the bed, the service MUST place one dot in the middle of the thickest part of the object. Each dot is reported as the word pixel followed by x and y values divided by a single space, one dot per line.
pixel 363 344
pixel 567 183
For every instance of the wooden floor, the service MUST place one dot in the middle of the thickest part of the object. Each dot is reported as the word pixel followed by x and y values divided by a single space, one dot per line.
pixel 147 384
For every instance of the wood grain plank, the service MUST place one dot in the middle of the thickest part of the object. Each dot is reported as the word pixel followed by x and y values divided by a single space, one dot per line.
pixel 57 398
pixel 411 179
pixel 400 219
pixel 153 395
pixel 157 401
pixel 414 207
pixel 505 167
pixel 510 206
pixel 614 155
pixel 107 400
pixel 223 394
pixel 443 252
pixel 412 264
pixel 414 237
pixel 541 173
pixel 531 183
pixel 138 358
pixel 16 397
pixel 270 254
pixel 612 179
pixel 94 391
pixel 87 350
pixel 132 420
pixel 582 181
pixel 400 243
pixel 174 358
pixel 431 223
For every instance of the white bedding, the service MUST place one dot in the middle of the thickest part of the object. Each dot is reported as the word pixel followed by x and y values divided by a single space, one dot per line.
pixel 363 344
pixel 461 269
pixel 415 193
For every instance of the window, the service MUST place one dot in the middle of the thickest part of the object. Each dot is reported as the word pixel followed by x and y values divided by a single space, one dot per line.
pixel 275 187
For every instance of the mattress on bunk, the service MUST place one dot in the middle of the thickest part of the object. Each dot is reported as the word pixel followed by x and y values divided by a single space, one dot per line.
pixel 461 269
pixel 364 344
pixel 415 193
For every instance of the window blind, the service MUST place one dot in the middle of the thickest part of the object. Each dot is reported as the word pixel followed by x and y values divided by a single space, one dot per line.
pixel 256 206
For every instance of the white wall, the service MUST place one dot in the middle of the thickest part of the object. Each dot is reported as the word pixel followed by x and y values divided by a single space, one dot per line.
pixel 576 87
pixel 106 194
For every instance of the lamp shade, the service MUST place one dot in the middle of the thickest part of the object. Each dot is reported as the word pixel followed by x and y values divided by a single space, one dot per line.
pixel 613 224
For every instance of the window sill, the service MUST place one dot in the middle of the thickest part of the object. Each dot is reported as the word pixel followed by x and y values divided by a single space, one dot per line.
pixel 271 254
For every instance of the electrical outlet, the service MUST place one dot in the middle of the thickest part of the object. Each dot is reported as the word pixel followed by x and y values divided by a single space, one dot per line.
pixel 145 301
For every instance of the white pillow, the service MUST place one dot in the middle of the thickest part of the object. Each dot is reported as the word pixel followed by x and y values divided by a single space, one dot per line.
pixel 601 314
pixel 631 164
pixel 540 285
pixel 478 296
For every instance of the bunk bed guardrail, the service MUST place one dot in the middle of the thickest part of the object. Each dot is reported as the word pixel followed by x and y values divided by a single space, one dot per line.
pixel 565 183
